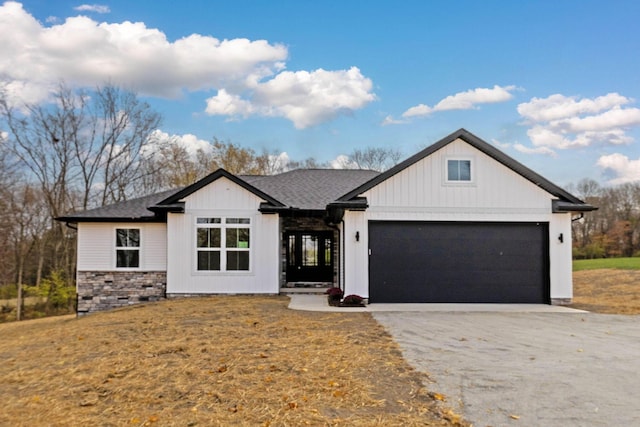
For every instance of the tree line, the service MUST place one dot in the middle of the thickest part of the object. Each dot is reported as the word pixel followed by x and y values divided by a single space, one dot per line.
pixel 87 149
pixel 614 229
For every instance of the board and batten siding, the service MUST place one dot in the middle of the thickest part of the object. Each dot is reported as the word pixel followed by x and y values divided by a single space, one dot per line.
pixel 222 198
pixel 97 242
pixel 420 192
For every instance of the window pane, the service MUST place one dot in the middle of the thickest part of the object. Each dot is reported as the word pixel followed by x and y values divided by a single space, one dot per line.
pixel 458 170
pixel 208 238
pixel 309 251
pixel 237 221
pixel 291 256
pixel 237 238
pixel 127 237
pixel 238 260
pixel 127 258
pixel 452 170
pixel 464 170
pixel 121 237
pixel 327 252
pixel 208 220
pixel 208 260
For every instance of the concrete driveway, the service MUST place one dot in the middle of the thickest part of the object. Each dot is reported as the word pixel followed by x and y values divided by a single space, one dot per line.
pixel 527 369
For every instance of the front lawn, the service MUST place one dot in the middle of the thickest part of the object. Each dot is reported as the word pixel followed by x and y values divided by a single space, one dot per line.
pixel 216 361
pixel 600 263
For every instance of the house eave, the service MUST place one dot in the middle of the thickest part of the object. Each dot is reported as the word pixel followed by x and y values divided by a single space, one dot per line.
pixel 563 206
pixel 76 219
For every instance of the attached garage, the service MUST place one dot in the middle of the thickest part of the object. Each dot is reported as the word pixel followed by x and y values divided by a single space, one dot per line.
pixel 458 262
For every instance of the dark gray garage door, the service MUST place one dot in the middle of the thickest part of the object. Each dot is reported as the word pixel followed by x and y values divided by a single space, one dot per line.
pixel 458 262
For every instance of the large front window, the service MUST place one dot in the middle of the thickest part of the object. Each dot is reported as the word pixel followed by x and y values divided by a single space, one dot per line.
pixel 223 244
pixel 127 247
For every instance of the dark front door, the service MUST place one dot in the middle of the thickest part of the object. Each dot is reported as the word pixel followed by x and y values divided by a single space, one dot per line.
pixel 458 262
pixel 309 256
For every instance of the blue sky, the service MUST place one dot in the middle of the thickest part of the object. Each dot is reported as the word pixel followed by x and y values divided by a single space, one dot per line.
pixel 554 84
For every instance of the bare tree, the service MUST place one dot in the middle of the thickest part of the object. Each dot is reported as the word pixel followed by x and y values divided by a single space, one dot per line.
pixel 27 225
pixel 375 158
pixel 84 148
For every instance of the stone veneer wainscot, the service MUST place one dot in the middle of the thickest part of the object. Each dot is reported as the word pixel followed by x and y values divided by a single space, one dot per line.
pixel 100 290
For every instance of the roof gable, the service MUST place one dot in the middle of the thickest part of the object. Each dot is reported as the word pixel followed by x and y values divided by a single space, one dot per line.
pixel 489 150
pixel 177 197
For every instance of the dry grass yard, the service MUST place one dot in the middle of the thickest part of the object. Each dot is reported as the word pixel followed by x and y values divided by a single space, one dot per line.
pixel 233 360
pixel 610 291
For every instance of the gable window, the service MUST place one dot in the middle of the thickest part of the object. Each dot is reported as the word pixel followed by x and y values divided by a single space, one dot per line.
pixel 459 170
pixel 223 244
pixel 127 247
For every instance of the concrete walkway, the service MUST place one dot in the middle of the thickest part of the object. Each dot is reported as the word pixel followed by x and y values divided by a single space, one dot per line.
pixel 308 302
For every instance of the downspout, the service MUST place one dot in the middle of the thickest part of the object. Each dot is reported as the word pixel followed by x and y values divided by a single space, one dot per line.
pixel 343 255
pixel 578 218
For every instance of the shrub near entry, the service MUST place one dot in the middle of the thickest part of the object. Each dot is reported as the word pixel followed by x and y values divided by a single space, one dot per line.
pixel 334 295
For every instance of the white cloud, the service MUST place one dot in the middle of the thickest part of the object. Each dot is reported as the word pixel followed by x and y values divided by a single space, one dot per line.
pixel 189 142
pixel 621 167
pixel 389 120
pixel 248 74
pixel 464 100
pixel 305 98
pixel 226 104
pixel 562 122
pixel 418 110
pixel 559 106
pixel 97 8
pixel 342 162
pixel 538 150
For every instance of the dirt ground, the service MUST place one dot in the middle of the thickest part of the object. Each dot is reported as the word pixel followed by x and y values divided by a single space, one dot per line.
pixel 607 291
pixel 227 360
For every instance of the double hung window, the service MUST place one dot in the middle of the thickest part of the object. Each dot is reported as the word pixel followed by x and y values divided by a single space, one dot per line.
pixel 223 244
pixel 127 247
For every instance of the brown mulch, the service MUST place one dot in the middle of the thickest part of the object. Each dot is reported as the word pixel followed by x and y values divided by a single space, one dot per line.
pixel 225 360
pixel 607 291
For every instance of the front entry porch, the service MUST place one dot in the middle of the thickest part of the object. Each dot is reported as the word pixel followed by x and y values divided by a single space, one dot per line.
pixel 309 255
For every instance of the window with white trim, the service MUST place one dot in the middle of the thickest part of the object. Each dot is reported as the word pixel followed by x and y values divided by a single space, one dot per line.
pixel 223 244
pixel 127 247
pixel 459 170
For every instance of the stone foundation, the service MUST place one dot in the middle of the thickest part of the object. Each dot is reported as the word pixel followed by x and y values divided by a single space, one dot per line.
pixel 105 290
pixel 560 301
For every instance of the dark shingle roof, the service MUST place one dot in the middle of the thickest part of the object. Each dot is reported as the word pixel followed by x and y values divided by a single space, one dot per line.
pixel 130 210
pixel 300 189
pixel 310 188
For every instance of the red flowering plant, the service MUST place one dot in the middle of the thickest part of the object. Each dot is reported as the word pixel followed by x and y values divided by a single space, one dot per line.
pixel 353 300
pixel 334 295
pixel 334 292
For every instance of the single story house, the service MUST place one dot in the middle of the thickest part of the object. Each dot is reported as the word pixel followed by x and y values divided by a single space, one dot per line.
pixel 459 221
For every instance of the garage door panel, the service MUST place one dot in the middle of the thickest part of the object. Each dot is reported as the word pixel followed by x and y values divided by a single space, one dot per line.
pixel 458 262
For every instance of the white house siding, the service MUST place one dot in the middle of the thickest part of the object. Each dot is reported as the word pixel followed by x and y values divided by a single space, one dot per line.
pixel 182 276
pixel 97 242
pixel 420 193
